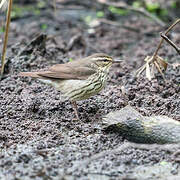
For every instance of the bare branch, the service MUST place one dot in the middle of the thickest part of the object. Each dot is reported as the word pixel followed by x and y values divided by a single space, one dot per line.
pixel 160 43
pixel 171 43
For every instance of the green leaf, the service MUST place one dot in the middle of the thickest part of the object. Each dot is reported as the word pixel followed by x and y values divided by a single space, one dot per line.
pixel 118 10
pixel 152 7
pixel 41 4
pixel 37 12
pixel 2 29
pixel 100 14
pixel 44 26
pixel 88 19
pixel 173 5
pixel 164 12
pixel 136 4
pixel 70 59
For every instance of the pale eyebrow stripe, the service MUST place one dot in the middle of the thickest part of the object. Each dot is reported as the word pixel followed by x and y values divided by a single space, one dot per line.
pixel 101 58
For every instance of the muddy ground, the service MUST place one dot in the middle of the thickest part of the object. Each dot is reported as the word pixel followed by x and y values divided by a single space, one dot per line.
pixel 39 135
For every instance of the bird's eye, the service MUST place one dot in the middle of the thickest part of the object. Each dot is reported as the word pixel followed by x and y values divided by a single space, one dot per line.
pixel 105 60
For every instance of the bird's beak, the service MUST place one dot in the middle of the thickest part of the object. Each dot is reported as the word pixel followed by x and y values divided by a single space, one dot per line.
pixel 117 61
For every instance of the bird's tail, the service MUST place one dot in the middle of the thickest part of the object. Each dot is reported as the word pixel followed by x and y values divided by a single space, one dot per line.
pixel 41 78
pixel 30 74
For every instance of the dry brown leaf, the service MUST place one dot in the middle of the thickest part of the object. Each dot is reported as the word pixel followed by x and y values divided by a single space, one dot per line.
pixel 161 62
pixel 151 63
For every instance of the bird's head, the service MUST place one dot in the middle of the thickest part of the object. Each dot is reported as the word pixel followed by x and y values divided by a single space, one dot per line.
pixel 102 61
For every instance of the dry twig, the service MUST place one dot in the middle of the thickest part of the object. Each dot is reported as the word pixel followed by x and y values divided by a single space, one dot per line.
pixel 155 60
pixel 8 16
pixel 171 43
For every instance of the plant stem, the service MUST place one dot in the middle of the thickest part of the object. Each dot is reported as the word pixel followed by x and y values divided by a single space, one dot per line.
pixel 160 43
pixel 8 16
pixel 171 43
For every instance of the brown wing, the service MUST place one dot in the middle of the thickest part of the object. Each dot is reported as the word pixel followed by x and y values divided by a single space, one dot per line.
pixel 78 69
pixel 67 71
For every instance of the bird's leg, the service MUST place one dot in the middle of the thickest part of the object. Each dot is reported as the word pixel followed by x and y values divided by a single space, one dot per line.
pixel 75 109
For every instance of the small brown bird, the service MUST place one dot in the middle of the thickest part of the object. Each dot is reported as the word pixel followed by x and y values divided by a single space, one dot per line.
pixel 78 79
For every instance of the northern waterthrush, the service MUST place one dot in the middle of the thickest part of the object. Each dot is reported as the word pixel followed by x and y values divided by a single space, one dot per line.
pixel 78 79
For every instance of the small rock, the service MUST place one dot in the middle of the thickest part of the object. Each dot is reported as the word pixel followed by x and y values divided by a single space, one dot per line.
pixel 141 129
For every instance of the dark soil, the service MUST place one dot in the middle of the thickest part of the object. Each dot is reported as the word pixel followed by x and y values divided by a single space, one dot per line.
pixel 39 135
